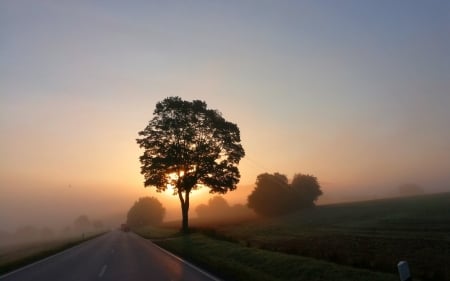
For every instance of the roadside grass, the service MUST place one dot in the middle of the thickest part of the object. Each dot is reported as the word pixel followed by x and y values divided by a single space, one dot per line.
pixel 17 256
pixel 232 261
pixel 155 233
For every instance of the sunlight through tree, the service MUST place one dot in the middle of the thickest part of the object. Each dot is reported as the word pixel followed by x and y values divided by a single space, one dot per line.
pixel 188 146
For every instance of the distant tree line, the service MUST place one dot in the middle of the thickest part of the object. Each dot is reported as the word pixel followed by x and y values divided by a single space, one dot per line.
pixel 217 209
pixel 84 224
pixel 273 195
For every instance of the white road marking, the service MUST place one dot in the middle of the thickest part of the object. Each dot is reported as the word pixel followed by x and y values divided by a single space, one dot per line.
pixel 100 275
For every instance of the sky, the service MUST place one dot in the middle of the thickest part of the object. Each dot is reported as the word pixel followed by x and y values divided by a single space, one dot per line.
pixel 354 92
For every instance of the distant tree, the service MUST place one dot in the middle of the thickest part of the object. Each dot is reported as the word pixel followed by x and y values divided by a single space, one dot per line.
pixel 26 233
pixel 82 223
pixel 270 196
pixel 240 211
pixel 273 195
pixel 188 146
pixel 410 189
pixel 216 207
pixel 145 211
pixel 306 190
pixel 218 210
pixel 97 224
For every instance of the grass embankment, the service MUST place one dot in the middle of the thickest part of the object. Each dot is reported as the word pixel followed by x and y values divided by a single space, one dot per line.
pixel 331 242
pixel 17 256
pixel 233 261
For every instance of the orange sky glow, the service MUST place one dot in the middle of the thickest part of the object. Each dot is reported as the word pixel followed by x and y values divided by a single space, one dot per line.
pixel 356 96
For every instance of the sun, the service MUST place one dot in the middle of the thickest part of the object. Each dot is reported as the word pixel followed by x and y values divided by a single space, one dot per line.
pixel 202 190
pixel 170 189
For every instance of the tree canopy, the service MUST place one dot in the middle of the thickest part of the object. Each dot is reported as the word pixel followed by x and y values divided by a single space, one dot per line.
pixel 187 146
pixel 145 211
pixel 273 195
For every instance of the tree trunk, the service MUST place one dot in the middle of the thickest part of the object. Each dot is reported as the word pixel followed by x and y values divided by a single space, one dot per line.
pixel 184 211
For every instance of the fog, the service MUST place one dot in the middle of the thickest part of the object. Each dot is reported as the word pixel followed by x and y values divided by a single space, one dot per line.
pixel 28 215
pixel 357 97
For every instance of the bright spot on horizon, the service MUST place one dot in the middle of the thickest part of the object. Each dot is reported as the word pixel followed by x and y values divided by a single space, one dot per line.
pixel 170 190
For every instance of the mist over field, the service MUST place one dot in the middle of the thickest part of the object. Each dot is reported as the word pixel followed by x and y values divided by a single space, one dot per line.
pixel 57 209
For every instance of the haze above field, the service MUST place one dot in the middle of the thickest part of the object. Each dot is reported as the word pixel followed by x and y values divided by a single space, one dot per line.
pixel 355 93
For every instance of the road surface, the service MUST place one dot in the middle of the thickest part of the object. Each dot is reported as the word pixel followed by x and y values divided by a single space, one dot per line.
pixel 115 256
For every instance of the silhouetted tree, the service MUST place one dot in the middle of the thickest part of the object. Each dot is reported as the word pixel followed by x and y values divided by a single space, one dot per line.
pixel 270 196
pixel 306 190
pixel 188 146
pixel 217 207
pixel 82 223
pixel 146 211
pixel 274 196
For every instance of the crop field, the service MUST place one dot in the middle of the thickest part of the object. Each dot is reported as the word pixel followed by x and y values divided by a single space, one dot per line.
pixel 371 235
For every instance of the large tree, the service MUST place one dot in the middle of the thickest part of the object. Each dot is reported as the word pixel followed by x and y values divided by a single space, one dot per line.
pixel 188 146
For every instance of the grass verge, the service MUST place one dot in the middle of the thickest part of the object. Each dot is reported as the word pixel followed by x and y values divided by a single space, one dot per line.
pixel 232 261
pixel 155 233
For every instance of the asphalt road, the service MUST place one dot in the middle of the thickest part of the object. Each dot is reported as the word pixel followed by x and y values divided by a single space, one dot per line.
pixel 111 257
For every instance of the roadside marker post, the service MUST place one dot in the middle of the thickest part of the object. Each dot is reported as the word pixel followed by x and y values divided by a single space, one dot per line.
pixel 403 271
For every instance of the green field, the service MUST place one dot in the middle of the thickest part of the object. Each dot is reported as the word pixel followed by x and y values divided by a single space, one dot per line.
pixel 372 235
